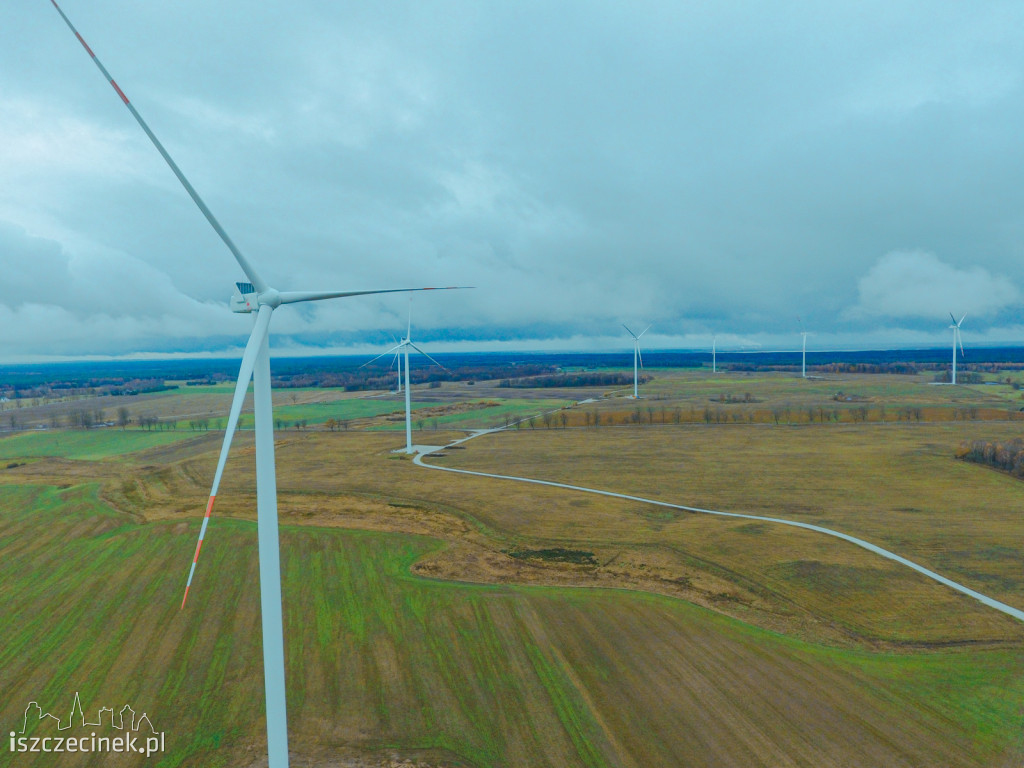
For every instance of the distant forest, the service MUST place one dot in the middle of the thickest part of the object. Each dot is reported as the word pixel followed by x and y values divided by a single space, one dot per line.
pixel 373 378
pixel 122 377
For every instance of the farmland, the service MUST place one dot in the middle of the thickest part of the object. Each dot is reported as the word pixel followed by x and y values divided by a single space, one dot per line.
pixel 425 621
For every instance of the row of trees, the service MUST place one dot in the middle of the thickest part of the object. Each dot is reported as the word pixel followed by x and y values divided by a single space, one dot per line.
pixel 652 413
pixel 580 379
pixel 1006 455
pixel 730 398
pixel 63 390
pixel 905 368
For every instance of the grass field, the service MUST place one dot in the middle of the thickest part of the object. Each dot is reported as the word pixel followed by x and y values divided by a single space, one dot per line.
pixel 86 445
pixel 382 662
pixel 679 639
pixel 494 414
pixel 956 518
pixel 340 410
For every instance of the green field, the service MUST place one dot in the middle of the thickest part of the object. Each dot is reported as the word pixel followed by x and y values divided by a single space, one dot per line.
pixel 486 418
pixel 85 445
pixel 340 410
pixel 381 662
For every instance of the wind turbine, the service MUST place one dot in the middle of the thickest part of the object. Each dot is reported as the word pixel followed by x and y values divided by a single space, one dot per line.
pixel 636 356
pixel 396 362
pixel 803 363
pixel 398 349
pixel 255 296
pixel 957 338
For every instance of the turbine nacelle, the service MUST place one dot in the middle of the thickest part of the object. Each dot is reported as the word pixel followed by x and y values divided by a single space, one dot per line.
pixel 244 299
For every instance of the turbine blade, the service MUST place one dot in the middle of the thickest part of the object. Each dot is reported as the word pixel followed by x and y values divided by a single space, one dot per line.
pixel 639 354
pixel 961 320
pixel 427 356
pixel 629 331
pixel 290 297
pixel 645 330
pixel 960 338
pixel 252 349
pixel 378 357
pixel 254 278
pixel 953 318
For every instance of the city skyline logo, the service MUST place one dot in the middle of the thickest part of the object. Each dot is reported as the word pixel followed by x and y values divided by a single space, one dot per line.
pixel 137 731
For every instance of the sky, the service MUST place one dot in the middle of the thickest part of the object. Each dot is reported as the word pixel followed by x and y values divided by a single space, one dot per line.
pixel 732 170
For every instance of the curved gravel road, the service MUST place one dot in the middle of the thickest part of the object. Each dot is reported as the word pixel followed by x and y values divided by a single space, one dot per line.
pixel 1009 610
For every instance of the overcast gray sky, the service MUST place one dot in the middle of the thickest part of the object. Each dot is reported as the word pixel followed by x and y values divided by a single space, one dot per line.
pixel 708 168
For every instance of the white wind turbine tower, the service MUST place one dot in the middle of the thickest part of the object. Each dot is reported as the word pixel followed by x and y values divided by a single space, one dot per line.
pixel 257 297
pixel 636 357
pixel 957 338
pixel 803 358
pixel 398 349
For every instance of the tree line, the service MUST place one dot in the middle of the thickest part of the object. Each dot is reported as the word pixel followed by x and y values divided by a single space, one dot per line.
pixel 581 379
pixel 1006 455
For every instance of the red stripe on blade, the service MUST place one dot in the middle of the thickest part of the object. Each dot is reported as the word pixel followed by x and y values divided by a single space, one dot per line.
pixel 84 44
pixel 119 91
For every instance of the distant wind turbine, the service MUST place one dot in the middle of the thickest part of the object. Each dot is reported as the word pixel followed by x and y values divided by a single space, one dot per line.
pixel 255 296
pixel 396 363
pixel 398 349
pixel 636 357
pixel 957 339
pixel 803 358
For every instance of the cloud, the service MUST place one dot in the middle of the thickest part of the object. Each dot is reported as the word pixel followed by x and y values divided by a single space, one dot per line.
pixel 56 303
pixel 709 168
pixel 917 284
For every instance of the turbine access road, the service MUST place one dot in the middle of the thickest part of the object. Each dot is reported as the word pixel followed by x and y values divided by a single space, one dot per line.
pixel 425 450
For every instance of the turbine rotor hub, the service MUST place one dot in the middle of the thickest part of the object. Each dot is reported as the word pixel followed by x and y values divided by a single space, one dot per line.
pixel 270 297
